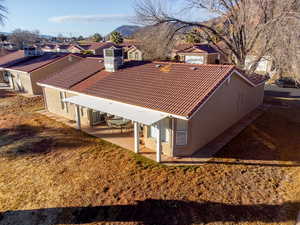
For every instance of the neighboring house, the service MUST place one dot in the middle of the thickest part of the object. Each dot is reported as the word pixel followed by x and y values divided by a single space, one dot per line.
pixel 49 48
pixel 96 48
pixel 127 45
pixel 22 69
pixel 134 53
pixel 179 107
pixel 199 54
pixel 8 46
pixel 264 66
pixel 63 48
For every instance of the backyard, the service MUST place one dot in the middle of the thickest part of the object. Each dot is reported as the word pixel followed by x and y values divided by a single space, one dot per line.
pixel 54 174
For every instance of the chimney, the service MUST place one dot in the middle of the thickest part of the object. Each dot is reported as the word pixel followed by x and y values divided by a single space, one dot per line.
pixel 32 51
pixel 113 59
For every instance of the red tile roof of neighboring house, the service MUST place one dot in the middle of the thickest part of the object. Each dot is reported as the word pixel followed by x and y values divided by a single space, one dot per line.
pixel 12 58
pixel 4 51
pixel 173 88
pixel 91 46
pixel 205 48
pixel 182 46
pixel 32 63
pixel 48 46
pixel 62 46
pixel 75 73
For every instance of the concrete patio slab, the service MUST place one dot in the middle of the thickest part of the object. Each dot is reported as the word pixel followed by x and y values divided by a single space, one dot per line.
pixel 126 140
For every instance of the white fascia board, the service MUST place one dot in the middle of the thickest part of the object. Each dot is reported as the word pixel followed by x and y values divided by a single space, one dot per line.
pixel 81 94
pixel 18 71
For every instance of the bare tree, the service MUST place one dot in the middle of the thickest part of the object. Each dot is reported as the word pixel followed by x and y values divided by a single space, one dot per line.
pixel 247 25
pixel 24 37
pixel 286 56
pixel 3 11
pixel 153 42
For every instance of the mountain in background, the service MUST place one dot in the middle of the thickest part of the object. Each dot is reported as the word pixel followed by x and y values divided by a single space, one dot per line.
pixel 127 30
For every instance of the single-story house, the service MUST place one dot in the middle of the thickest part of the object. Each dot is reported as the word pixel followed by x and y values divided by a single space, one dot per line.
pixel 48 48
pixel 176 108
pixel 127 45
pixel 134 53
pixel 63 48
pixel 8 45
pixel 199 54
pixel 22 69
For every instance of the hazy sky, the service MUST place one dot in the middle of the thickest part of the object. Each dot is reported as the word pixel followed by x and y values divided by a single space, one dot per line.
pixel 69 17
pixel 76 17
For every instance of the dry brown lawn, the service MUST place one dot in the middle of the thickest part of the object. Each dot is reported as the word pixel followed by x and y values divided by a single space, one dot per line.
pixel 53 174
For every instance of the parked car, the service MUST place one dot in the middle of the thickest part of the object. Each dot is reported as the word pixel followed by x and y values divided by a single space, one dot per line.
pixel 287 82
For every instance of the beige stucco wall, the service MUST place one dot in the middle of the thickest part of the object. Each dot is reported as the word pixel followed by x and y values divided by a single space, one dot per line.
pixel 150 142
pixel 1 76
pixel 46 71
pixel 135 54
pixel 208 58
pixel 21 81
pixel 53 105
pixel 230 103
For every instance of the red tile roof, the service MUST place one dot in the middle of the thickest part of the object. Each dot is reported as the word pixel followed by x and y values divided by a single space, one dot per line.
pixel 75 73
pixel 12 58
pixel 91 46
pixel 205 48
pixel 173 88
pixel 32 63
pixel 63 46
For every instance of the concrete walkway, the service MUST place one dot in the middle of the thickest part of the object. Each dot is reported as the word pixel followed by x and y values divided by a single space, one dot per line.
pixel 203 155
pixel 298 219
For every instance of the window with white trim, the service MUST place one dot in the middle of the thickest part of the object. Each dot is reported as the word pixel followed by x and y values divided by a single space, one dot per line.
pixel 181 132
pixel 165 132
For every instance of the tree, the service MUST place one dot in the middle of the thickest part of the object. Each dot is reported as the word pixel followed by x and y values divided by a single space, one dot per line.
pixel 193 37
pixel 154 43
pixel 97 37
pixel 21 38
pixel 3 11
pixel 80 38
pixel 116 37
pixel 286 57
pixel 3 37
pixel 247 26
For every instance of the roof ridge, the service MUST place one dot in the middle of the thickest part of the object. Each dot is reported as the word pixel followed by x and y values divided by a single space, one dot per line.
pixel 193 65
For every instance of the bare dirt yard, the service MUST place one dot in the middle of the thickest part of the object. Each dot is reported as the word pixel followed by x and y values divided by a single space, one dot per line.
pixel 53 174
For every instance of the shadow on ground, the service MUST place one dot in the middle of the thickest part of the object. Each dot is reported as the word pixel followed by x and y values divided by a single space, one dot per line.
pixel 6 93
pixel 153 212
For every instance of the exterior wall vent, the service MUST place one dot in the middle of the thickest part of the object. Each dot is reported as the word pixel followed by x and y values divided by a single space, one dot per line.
pixel 157 66
pixel 113 59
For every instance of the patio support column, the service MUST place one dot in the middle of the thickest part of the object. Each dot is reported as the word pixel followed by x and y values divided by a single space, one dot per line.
pixel 77 111
pixel 158 143
pixel 136 137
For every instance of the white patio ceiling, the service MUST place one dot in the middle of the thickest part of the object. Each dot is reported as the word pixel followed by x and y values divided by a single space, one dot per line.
pixel 130 112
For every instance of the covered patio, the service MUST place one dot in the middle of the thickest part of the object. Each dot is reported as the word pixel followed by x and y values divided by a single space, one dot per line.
pixel 120 114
